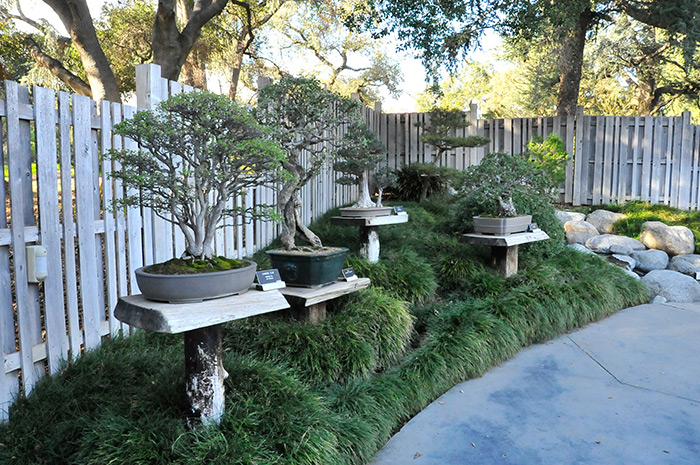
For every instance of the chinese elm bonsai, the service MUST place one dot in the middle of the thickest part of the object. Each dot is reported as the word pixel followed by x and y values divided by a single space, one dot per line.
pixel 196 151
pixel 307 118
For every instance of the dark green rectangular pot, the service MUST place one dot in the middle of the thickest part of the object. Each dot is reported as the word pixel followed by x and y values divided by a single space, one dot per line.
pixel 308 269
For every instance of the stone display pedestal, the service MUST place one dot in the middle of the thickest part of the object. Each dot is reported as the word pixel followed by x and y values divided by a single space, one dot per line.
pixel 504 249
pixel 201 323
pixel 310 304
pixel 369 231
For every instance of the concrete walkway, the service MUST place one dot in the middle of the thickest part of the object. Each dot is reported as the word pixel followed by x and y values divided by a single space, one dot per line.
pixel 624 391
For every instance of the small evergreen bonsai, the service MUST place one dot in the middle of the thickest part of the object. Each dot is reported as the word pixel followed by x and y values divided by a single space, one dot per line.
pixel 440 132
pixel 362 152
pixel 306 118
pixel 384 177
pixel 196 150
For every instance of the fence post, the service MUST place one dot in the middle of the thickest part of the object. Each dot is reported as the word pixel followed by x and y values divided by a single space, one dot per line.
pixel 578 157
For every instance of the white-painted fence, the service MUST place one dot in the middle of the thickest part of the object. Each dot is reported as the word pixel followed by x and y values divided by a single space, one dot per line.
pixel 58 191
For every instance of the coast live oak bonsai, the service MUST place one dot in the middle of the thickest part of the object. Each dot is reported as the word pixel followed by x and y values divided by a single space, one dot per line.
pixel 196 151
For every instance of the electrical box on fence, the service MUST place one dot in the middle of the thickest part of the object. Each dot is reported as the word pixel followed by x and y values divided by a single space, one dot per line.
pixel 37 266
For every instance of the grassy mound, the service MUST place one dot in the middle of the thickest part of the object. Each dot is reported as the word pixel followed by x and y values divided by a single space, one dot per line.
pixel 330 393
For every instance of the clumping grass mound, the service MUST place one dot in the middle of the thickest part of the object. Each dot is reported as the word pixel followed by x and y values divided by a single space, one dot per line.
pixel 327 393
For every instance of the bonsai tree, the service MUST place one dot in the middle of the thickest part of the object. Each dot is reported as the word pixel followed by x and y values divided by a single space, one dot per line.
pixel 384 177
pixel 196 150
pixel 362 152
pixel 492 184
pixel 439 133
pixel 306 118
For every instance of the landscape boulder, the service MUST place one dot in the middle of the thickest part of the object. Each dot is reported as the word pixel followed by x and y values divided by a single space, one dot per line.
pixel 610 243
pixel 674 240
pixel 650 260
pixel 578 232
pixel 672 286
pixel 623 261
pixel 570 216
pixel 686 264
pixel 603 220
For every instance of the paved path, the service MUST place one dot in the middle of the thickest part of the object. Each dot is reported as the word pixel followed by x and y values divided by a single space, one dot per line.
pixel 624 391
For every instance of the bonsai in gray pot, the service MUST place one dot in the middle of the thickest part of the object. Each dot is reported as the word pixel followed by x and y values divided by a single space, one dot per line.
pixel 306 118
pixel 196 151
pixel 494 183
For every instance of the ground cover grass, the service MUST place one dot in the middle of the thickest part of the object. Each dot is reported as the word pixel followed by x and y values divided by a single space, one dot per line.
pixel 330 393
pixel 638 212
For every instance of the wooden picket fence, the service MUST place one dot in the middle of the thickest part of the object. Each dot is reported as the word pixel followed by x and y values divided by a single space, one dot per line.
pixel 613 159
pixel 58 193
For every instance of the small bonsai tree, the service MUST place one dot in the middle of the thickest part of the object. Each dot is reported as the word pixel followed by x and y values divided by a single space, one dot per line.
pixel 384 177
pixel 439 133
pixel 196 150
pixel 361 153
pixel 306 118
pixel 492 184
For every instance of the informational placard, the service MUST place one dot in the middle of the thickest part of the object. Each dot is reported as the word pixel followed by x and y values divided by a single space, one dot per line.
pixel 349 274
pixel 398 210
pixel 269 279
pixel 532 227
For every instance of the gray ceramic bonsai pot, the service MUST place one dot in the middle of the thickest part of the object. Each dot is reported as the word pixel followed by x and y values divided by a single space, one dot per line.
pixel 501 226
pixel 197 286
pixel 308 269
pixel 365 212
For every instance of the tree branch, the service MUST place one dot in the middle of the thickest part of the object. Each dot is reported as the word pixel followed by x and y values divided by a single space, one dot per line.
pixel 57 68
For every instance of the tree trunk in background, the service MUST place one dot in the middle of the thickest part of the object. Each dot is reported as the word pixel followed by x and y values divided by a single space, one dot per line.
pixel 75 16
pixel 571 63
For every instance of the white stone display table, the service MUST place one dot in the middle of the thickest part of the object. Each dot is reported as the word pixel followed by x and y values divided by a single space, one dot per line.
pixel 310 304
pixel 504 249
pixel 369 231
pixel 201 323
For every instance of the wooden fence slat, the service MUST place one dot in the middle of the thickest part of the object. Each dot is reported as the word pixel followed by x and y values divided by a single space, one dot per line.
pixel 685 165
pixel 18 175
pixel 657 154
pixel 9 381
pixel 647 150
pixel 569 146
pixel 85 208
pixel 580 161
pixel 637 156
pixel 118 193
pixel 47 176
pixel 110 249
pixel 598 155
pixel 608 160
pixel 674 174
pixel 134 220
pixel 624 167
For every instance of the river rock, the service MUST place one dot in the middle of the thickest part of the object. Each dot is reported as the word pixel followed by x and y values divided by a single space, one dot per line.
pixel 672 285
pixel 570 216
pixel 686 264
pixel 603 220
pixel 578 232
pixel 674 240
pixel 623 261
pixel 650 260
pixel 610 243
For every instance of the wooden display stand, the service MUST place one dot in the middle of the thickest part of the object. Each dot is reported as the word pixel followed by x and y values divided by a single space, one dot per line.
pixel 310 304
pixel 201 323
pixel 369 231
pixel 504 249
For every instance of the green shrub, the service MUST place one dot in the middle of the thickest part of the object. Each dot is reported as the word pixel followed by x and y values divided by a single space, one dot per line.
pixel 549 155
pixel 413 179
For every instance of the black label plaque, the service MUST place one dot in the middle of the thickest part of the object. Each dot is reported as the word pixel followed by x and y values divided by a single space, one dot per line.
pixel 398 210
pixel 269 279
pixel 349 274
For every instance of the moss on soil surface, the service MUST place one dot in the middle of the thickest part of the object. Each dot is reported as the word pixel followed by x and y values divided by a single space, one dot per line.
pixel 180 266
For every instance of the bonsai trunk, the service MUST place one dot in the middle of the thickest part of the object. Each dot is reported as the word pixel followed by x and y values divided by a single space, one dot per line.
pixel 506 208
pixel 425 184
pixel 289 203
pixel 380 191
pixel 364 200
